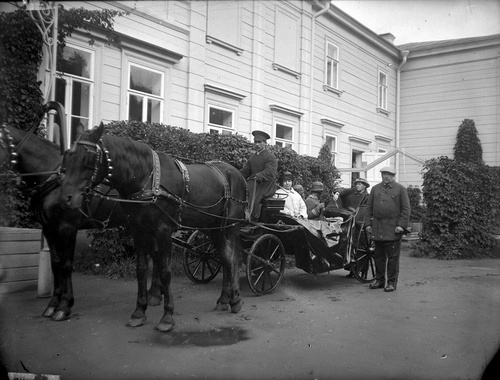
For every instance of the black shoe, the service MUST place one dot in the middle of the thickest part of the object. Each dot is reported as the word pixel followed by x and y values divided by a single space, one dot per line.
pixel 350 275
pixel 389 288
pixel 376 285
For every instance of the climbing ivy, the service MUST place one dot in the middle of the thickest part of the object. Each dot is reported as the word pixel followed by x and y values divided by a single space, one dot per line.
pixel 462 198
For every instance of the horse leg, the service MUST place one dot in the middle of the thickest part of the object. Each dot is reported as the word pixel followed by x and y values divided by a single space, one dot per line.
pixel 164 262
pixel 154 292
pixel 142 242
pixel 55 263
pixel 65 248
pixel 229 248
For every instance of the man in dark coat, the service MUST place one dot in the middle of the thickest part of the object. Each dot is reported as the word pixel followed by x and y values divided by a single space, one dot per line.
pixel 260 171
pixel 387 217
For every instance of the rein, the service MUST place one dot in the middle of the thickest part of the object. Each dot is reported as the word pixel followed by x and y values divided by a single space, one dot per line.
pixel 145 196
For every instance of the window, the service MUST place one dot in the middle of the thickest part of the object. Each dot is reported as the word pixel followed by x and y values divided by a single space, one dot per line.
pixel 220 120
pixel 74 88
pixel 284 136
pixel 145 94
pixel 331 142
pixel 382 90
pixel 332 65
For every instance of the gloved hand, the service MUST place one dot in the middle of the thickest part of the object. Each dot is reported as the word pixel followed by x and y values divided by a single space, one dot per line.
pixel 399 230
pixel 321 206
pixel 336 196
pixel 368 230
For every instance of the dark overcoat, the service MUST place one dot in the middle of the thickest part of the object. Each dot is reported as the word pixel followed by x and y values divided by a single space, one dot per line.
pixel 388 206
pixel 262 167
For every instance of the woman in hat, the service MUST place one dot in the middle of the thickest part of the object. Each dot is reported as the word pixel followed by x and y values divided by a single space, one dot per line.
pixel 294 204
pixel 314 206
pixel 260 171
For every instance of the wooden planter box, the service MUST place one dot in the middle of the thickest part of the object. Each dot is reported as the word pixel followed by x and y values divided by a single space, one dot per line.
pixel 19 249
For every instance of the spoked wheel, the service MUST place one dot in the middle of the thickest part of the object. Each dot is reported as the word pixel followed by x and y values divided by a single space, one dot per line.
pixel 364 265
pixel 201 263
pixel 265 264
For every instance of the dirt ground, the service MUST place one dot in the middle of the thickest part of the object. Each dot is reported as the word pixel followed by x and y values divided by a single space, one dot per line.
pixel 441 323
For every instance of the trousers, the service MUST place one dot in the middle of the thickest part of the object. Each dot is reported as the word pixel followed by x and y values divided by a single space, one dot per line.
pixel 387 255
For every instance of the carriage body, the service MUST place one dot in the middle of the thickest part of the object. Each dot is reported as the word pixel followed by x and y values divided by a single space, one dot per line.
pixel 277 235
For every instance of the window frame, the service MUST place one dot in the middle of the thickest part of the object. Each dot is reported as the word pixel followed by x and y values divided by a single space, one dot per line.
pixel 333 149
pixel 382 90
pixel 328 59
pixel 220 128
pixel 145 96
pixel 279 140
pixel 70 80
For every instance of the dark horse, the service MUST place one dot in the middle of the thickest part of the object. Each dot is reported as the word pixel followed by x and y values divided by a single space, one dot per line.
pixel 37 158
pixel 162 195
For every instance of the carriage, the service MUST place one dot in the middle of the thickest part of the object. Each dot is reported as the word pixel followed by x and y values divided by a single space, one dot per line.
pixel 277 235
pixel 155 194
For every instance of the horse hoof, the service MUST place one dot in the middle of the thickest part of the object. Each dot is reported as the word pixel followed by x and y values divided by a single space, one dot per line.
pixel 165 327
pixel 49 312
pixel 222 307
pixel 136 322
pixel 237 306
pixel 59 316
pixel 154 301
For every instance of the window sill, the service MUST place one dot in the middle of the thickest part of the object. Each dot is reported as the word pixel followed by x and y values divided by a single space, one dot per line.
pixel 332 89
pixel 383 111
pixel 277 66
pixel 225 45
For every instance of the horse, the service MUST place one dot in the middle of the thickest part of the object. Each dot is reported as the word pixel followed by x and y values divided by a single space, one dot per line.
pixel 38 160
pixel 162 195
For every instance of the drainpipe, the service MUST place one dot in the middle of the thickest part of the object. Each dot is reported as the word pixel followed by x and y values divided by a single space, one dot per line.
pixel 326 7
pixel 404 53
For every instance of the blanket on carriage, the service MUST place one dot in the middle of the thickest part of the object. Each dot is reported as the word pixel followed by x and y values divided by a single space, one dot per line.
pixel 326 230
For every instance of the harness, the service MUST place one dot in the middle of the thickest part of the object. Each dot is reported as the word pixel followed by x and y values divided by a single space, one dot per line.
pixel 150 194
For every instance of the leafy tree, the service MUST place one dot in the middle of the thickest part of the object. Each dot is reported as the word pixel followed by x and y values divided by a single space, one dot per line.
pixel 468 146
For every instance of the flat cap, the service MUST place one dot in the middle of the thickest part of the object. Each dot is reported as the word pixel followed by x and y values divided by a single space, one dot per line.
pixel 387 169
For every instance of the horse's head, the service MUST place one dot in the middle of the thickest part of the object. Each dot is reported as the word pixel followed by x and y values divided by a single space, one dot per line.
pixel 84 166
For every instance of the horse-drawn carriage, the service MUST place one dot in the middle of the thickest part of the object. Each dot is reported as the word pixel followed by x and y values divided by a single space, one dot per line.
pixel 276 235
pixel 157 195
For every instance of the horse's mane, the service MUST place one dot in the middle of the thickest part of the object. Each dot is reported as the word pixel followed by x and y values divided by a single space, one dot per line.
pixel 134 159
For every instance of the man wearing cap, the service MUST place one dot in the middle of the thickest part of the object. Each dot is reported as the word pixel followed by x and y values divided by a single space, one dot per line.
pixel 260 171
pixel 294 204
pixel 387 217
pixel 314 206
pixel 352 198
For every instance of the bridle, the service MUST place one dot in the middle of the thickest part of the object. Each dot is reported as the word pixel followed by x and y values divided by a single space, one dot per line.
pixel 101 159
pixel 7 144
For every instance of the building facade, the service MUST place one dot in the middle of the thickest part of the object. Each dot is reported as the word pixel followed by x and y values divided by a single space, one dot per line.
pixel 303 71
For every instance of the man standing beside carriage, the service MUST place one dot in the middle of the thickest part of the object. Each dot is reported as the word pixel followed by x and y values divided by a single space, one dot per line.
pixel 387 217
pixel 260 172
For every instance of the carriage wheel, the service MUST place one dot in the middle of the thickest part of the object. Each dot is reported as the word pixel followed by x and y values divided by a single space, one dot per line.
pixel 364 264
pixel 265 264
pixel 201 263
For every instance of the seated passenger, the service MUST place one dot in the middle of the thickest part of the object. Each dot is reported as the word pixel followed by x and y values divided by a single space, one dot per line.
pixel 294 204
pixel 314 206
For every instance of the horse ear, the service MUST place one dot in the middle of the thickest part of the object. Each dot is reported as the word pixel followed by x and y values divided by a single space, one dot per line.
pixel 97 133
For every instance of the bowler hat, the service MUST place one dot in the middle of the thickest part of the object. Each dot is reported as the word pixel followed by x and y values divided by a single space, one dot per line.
pixel 363 181
pixel 261 135
pixel 317 186
pixel 387 169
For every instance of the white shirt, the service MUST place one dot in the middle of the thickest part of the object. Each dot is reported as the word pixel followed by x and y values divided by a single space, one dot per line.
pixel 294 204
